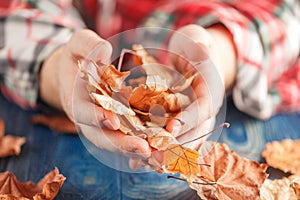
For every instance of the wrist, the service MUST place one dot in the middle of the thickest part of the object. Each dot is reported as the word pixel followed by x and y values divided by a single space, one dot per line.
pixel 49 88
pixel 225 55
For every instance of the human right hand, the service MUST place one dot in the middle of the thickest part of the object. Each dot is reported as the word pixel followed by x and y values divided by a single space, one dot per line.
pixel 62 87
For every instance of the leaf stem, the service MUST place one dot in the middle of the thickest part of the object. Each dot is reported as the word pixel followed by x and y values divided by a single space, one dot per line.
pixel 226 124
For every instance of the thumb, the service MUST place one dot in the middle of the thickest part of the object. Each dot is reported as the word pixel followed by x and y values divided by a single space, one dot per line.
pixel 88 44
pixel 190 43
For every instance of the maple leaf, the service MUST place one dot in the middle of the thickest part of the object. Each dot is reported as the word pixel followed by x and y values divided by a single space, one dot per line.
pixel 9 145
pixel 284 155
pixel 286 188
pixel 46 189
pixel 179 159
pixel 228 176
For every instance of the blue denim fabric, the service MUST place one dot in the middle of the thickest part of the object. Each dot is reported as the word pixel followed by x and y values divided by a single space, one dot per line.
pixel 89 179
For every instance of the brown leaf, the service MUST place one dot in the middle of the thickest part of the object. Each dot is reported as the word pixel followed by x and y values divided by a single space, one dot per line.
pixel 1 128
pixel 113 77
pixel 179 159
pixel 228 176
pixel 46 189
pixel 9 145
pixel 57 122
pixel 159 138
pixel 284 155
pixel 144 97
pixel 282 189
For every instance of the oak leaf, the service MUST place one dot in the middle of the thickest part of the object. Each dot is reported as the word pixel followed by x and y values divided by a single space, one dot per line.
pixel 228 176
pixel 284 155
pixel 9 145
pixel 46 189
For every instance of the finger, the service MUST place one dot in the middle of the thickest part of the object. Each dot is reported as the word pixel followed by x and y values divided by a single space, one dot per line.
pixel 116 141
pixel 190 43
pixel 87 43
pixel 194 114
pixel 84 111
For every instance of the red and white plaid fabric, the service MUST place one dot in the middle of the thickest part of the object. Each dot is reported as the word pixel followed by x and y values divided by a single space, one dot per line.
pixel 266 34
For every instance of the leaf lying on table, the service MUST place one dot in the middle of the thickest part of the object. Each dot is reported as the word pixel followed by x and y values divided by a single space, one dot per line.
pixel 228 176
pixel 9 145
pixel 284 155
pixel 46 189
pixel 286 188
pixel 56 122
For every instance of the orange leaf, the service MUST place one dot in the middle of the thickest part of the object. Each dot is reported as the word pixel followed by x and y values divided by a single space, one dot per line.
pixel 9 145
pixel 113 77
pixel 228 176
pixel 178 159
pixel 57 122
pixel 144 97
pixel 46 189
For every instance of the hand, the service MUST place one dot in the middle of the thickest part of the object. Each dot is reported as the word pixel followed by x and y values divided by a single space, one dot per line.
pixel 194 51
pixel 62 87
pixel 210 53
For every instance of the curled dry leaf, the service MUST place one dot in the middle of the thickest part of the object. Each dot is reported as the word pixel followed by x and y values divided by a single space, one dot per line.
pixel 109 103
pixel 159 138
pixel 284 155
pixel 9 145
pixel 282 189
pixel 46 189
pixel 113 77
pixel 144 97
pixel 228 176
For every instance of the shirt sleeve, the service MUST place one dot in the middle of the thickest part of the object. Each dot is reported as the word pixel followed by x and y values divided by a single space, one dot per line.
pixel 30 32
pixel 267 39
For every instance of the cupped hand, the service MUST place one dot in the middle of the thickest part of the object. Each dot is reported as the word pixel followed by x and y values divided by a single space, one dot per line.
pixel 62 87
pixel 193 51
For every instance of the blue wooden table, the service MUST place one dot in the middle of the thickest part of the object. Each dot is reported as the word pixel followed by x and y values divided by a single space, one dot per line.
pixel 87 178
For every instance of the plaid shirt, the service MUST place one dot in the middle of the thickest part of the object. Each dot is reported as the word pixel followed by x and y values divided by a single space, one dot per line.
pixel 266 35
